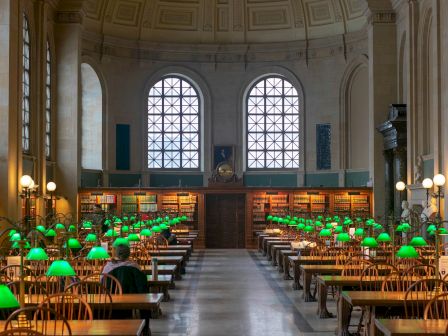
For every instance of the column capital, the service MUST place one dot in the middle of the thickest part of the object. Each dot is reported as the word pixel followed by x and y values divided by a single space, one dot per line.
pixel 70 11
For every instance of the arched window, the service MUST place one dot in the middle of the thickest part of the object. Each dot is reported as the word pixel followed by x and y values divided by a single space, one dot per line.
pixel 91 119
pixel 173 124
pixel 26 122
pixel 273 124
pixel 48 104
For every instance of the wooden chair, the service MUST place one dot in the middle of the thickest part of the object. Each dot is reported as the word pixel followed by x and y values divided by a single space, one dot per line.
pixel 424 271
pixel 43 320
pixel 101 293
pixel 72 307
pixel 355 267
pixel 31 288
pixel 13 272
pixel 419 293
pixel 406 263
pixel 437 308
pixel 107 280
pixel 55 284
pixel 398 281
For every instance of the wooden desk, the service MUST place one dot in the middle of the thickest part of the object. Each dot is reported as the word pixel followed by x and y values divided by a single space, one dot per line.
pixel 271 243
pixel 187 247
pixel 102 327
pixel 147 301
pixel 371 300
pixel 173 260
pixel 261 236
pixel 403 327
pixel 297 261
pixel 283 262
pixel 160 285
pixel 265 242
pixel 276 248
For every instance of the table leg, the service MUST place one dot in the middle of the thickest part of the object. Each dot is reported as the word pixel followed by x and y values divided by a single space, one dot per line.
pixel 280 262
pixel 269 251
pixel 296 284
pixel 307 276
pixel 322 310
pixel 344 314
pixel 286 266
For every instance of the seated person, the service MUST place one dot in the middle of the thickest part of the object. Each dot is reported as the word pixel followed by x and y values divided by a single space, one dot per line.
pixel 128 272
pixel 170 237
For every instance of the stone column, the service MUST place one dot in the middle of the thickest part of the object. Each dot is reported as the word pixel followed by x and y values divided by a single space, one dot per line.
pixel 388 182
pixel 382 88
pixel 68 31
pixel 399 175
pixel 10 88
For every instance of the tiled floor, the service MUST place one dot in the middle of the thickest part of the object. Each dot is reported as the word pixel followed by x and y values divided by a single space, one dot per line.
pixel 237 292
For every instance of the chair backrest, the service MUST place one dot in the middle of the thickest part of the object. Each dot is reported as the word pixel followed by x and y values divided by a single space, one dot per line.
pixel 103 311
pixel 43 320
pixel 437 307
pixel 419 293
pixel 107 280
pixel 369 279
pixel 55 284
pixel 424 271
pixel 13 272
pixel 398 281
pixel 31 288
pixel 355 267
pixel 72 307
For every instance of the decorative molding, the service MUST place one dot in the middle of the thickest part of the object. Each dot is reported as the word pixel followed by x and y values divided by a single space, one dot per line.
pixel 69 17
pixel 386 17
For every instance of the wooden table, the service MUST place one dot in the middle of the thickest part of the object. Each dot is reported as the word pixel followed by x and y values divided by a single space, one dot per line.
pixel 283 262
pixel 271 243
pixel 173 260
pixel 297 261
pixel 160 285
pixel 369 299
pixel 187 247
pixel 102 327
pixel 276 248
pixel 148 301
pixel 405 327
pixel 265 241
pixel 261 236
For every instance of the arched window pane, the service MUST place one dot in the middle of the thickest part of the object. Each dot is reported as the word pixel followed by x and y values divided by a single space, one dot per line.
pixel 48 105
pixel 173 125
pixel 92 119
pixel 273 125
pixel 26 86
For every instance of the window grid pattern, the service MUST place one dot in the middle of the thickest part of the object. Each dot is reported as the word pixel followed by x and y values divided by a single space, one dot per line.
pixel 26 122
pixel 273 125
pixel 48 104
pixel 173 125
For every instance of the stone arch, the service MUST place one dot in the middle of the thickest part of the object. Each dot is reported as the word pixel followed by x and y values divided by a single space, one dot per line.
pixel 350 75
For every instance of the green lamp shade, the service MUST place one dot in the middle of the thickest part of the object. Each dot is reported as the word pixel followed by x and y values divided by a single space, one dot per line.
pixel 74 243
pixel 339 229
pixel 318 223
pixel 15 237
pixel 125 228
pixel 50 233
pixel 378 227
pixel 87 225
pixel 133 237
pixel 41 228
pixel 292 223
pixel 16 245
pixel 369 242
pixel 125 218
pixel 343 237
pixel 11 232
pixel 399 228
pixel 443 231
pixel 146 233
pixel 359 219
pixel 59 226
pixel 359 232
pixel 418 241
pixel 98 252
pixel 132 218
pixel 167 217
pixel 111 233
pixel 117 221
pixel 320 217
pixel 8 299
pixel 37 253
pixel 328 226
pixel 383 237
pixel 163 226
pixel 120 241
pixel 107 222
pixel 308 228
pixel 269 218
pixel 72 228
pixel 60 268
pixel 91 237
pixel 156 229
pixel 137 225
pixel 370 222
pixel 325 233
pixel 407 251
pixel 286 221
pixel 300 226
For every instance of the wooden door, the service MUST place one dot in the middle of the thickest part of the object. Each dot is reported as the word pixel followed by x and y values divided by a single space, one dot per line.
pixel 225 220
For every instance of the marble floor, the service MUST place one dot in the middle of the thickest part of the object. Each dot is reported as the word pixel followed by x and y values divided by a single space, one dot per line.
pixel 237 293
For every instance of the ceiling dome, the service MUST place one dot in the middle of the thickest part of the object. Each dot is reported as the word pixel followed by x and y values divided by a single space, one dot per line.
pixel 223 21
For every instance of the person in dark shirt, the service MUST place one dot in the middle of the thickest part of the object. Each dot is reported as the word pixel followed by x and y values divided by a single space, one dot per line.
pixel 170 237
